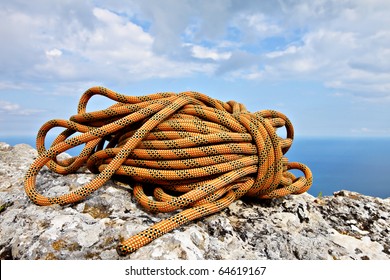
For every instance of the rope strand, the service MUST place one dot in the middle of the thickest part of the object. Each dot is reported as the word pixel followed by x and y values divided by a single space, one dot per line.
pixel 210 152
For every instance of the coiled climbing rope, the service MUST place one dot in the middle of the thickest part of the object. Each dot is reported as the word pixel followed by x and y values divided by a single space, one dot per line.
pixel 199 155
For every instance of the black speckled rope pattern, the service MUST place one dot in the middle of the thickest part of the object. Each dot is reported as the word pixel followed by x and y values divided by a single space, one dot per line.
pixel 212 152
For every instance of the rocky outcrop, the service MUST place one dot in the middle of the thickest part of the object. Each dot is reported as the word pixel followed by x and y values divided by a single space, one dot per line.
pixel 344 226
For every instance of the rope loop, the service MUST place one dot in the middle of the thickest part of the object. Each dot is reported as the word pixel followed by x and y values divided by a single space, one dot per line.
pixel 197 153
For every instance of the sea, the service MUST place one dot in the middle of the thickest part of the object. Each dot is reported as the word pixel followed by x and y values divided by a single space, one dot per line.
pixel 355 164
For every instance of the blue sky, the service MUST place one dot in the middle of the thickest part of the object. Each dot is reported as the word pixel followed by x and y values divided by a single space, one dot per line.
pixel 325 64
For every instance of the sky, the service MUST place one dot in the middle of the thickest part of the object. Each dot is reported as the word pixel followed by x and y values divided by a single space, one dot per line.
pixel 325 64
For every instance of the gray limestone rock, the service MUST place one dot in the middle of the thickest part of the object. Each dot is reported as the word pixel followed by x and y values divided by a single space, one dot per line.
pixel 344 226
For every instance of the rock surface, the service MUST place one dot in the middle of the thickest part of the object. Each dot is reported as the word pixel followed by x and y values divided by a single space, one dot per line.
pixel 344 226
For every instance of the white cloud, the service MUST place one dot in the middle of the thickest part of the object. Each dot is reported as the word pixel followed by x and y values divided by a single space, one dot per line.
pixel 343 44
pixel 260 24
pixel 9 108
pixel 208 53
pixel 320 53
pixel 256 26
pixel 6 106
pixel 290 50
pixel 102 45
pixel 53 53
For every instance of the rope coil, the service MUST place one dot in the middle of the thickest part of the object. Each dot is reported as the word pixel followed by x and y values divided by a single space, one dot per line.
pixel 210 152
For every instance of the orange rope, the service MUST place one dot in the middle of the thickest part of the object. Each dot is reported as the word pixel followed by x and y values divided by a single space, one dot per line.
pixel 210 151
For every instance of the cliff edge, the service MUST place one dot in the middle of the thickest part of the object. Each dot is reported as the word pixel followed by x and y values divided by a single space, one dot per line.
pixel 347 225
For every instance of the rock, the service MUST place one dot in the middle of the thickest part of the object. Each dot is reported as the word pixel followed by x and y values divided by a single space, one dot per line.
pixel 346 225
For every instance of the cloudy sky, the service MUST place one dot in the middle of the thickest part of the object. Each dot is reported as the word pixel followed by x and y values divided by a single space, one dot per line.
pixel 325 63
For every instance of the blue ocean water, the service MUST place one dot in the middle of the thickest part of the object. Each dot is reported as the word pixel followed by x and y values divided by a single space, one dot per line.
pixel 356 164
